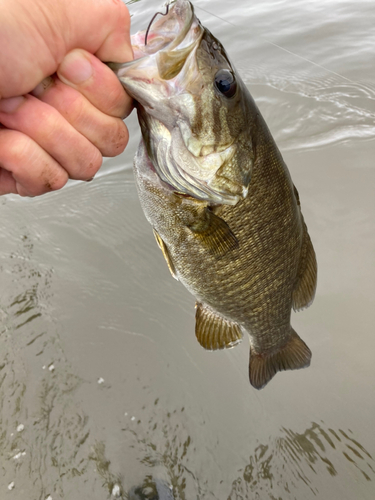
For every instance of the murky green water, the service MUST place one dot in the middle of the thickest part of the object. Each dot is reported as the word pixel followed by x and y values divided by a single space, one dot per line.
pixel 103 386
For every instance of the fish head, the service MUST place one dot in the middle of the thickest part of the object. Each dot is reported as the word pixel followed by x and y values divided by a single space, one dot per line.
pixel 192 107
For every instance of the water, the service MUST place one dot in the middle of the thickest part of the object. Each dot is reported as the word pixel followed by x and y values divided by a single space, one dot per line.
pixel 104 389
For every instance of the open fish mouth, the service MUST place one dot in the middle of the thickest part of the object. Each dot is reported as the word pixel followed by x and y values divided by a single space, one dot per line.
pixel 168 81
pixel 166 43
pixel 168 32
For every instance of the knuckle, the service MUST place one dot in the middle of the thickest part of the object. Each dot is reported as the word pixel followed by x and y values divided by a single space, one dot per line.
pixel 112 138
pixel 91 164
pixel 55 179
pixel 53 126
pixel 116 101
pixel 24 154
pixel 95 164
pixel 74 109
pixel 35 171
pixel 116 140
pixel 20 151
pixel 51 178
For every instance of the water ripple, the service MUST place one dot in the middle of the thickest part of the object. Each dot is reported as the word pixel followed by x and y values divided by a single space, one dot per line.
pixel 287 466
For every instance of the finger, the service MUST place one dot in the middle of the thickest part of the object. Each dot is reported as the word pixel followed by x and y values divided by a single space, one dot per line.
pixel 107 29
pixel 96 81
pixel 44 124
pixel 50 30
pixel 109 134
pixel 26 168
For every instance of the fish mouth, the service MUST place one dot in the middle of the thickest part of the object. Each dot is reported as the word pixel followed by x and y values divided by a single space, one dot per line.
pixel 166 32
pixel 169 39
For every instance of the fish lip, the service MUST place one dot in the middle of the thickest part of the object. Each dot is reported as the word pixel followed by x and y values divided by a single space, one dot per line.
pixel 145 51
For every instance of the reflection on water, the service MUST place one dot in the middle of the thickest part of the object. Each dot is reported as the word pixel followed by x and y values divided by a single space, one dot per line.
pixel 166 447
pixel 318 100
pixel 41 433
pixel 287 465
pixel 111 481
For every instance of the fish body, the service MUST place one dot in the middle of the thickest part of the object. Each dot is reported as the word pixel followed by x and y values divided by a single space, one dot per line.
pixel 214 187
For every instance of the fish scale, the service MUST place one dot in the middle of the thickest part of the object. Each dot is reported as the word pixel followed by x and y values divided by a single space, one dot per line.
pixel 236 240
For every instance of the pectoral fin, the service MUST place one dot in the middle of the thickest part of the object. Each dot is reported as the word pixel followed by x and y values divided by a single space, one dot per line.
pixel 214 234
pixel 294 354
pixel 213 331
pixel 163 247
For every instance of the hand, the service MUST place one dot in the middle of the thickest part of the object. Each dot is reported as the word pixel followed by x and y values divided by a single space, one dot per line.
pixel 59 127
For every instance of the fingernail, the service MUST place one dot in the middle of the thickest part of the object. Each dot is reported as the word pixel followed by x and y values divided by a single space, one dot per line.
pixel 75 68
pixel 42 87
pixel 11 104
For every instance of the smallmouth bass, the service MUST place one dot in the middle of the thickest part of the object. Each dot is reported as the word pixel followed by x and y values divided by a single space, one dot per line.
pixel 214 187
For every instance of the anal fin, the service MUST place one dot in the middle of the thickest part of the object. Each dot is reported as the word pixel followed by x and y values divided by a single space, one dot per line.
pixel 213 331
pixel 294 354
pixel 163 247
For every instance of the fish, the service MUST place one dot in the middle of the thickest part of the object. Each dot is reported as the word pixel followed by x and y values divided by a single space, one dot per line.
pixel 215 188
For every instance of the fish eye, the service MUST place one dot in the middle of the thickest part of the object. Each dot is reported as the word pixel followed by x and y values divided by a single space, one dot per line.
pixel 225 83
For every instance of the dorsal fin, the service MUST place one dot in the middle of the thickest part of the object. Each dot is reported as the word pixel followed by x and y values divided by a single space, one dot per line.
pixel 294 354
pixel 213 331
pixel 304 291
pixel 163 247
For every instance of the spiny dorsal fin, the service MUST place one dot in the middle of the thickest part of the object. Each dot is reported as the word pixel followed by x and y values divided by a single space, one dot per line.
pixel 304 291
pixel 293 355
pixel 213 331
pixel 163 247
pixel 215 234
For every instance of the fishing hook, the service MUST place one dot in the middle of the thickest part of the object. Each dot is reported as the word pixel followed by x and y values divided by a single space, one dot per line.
pixel 152 20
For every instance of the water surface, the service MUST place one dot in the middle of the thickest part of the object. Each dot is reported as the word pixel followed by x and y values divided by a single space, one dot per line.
pixel 103 386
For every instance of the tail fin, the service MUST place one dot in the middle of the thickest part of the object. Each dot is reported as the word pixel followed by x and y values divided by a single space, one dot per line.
pixel 291 356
